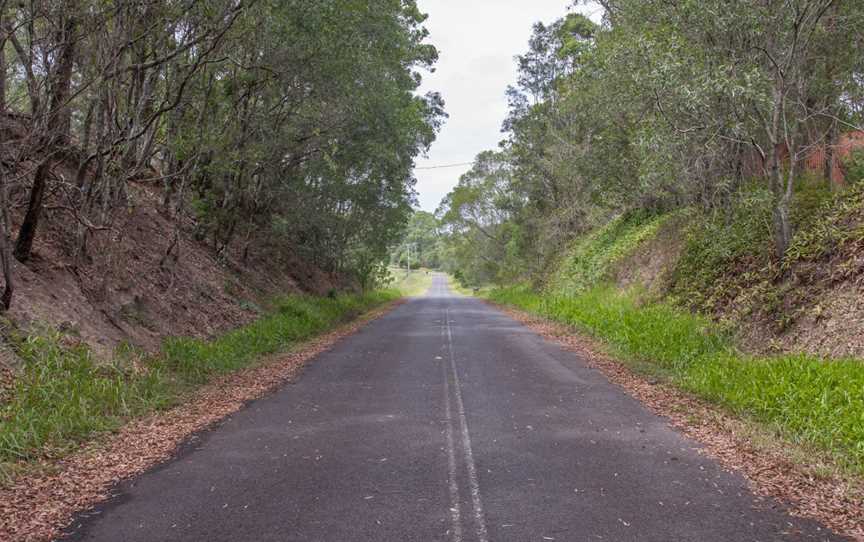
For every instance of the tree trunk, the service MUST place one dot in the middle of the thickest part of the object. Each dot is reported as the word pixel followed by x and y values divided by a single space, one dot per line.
pixel 781 202
pixel 830 144
pixel 27 233
pixel 782 207
pixel 2 64
pixel 5 244
pixel 56 134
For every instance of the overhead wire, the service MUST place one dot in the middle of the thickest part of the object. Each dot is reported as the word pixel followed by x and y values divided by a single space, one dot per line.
pixel 446 166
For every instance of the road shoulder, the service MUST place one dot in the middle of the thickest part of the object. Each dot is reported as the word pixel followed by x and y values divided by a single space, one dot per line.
pixel 827 499
pixel 39 506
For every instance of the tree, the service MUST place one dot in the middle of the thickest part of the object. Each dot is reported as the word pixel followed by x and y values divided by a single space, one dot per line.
pixel 662 106
pixel 420 243
pixel 281 127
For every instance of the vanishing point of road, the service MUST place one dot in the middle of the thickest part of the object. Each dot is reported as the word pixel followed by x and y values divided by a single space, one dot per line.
pixel 443 420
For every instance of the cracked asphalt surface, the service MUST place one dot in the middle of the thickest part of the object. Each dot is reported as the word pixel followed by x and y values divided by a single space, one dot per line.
pixel 443 420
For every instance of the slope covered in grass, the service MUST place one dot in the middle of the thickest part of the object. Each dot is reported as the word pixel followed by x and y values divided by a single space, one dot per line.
pixel 592 257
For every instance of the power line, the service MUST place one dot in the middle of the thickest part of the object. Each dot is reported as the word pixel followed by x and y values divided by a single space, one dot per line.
pixel 447 165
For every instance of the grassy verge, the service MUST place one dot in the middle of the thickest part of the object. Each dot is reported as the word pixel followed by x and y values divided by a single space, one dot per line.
pixel 457 287
pixel 814 403
pixel 63 396
pixel 411 283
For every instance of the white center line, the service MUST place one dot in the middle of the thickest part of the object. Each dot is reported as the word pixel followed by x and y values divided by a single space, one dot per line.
pixel 455 512
pixel 473 482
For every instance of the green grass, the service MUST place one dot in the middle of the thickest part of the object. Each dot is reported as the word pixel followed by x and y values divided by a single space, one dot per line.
pixel 411 283
pixel 64 397
pixel 838 226
pixel 458 288
pixel 814 403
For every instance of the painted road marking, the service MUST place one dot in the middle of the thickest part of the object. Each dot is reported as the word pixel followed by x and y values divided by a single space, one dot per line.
pixel 455 511
pixel 473 482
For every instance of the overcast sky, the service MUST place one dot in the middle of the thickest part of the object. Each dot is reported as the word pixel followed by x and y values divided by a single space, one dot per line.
pixel 477 40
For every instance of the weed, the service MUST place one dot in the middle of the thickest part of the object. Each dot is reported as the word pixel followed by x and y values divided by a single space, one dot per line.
pixel 62 396
pixel 727 260
pixel 296 318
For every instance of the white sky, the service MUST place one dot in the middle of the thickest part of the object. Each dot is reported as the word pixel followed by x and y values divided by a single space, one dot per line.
pixel 477 40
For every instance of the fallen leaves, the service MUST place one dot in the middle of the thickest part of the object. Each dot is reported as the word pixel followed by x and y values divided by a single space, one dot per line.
pixel 824 498
pixel 38 505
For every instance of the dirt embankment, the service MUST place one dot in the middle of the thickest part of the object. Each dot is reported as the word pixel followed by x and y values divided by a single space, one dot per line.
pixel 651 262
pixel 814 305
pixel 145 278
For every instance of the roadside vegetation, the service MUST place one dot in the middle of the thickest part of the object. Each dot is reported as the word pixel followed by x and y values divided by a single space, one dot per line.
pixel 63 396
pixel 264 130
pixel 164 163
pixel 815 402
pixel 591 258
pixel 695 203
pixel 726 254
pixel 411 282
pixel 810 401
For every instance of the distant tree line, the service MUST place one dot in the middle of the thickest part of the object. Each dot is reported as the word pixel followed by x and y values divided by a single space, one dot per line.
pixel 420 245
pixel 661 106
pixel 289 121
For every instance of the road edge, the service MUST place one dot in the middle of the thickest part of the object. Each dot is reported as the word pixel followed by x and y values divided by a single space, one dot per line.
pixel 42 505
pixel 828 500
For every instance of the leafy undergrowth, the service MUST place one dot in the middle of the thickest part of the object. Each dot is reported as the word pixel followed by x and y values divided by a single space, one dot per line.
pixel 727 261
pixel 812 402
pixel 593 256
pixel 63 396
pixel 836 230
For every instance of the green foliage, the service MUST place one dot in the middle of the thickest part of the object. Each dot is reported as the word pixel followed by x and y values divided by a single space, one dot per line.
pixel 287 128
pixel 729 249
pixel 592 256
pixel 421 243
pixel 854 166
pixel 657 333
pixel 837 226
pixel 483 239
pixel 719 243
pixel 652 112
pixel 63 396
pixel 812 402
pixel 295 318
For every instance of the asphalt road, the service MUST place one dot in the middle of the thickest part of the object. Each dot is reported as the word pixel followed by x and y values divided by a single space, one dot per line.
pixel 444 420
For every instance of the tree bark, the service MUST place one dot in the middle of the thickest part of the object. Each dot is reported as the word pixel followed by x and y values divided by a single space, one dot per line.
pixel 5 244
pixel 56 135
pixel 2 63
pixel 781 202
pixel 830 144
